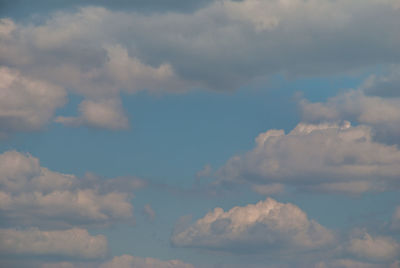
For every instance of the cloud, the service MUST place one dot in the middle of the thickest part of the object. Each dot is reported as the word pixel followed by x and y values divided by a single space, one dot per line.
pixel 75 243
pixel 33 195
pixel 100 53
pixel 378 248
pixel 128 261
pixel 323 157
pixel 124 261
pixel 265 226
pixel 106 114
pixel 205 172
pixel 348 263
pixel 149 212
pixel 269 189
pixel 363 250
pixel 354 105
pixel 376 103
pixel 396 218
pixel 26 103
pixel 387 85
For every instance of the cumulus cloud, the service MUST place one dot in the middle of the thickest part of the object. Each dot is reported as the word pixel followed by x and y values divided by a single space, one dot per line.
pixel 106 114
pixel 99 53
pixel 265 226
pixel 26 103
pixel 76 243
pixel 378 248
pixel 383 114
pixel 323 157
pixel 363 250
pixel 128 261
pixel 376 103
pixel 32 195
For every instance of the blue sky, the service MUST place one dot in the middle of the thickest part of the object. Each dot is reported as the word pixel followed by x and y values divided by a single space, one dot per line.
pixel 254 133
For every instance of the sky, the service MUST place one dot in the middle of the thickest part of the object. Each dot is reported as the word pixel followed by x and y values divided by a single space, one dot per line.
pixel 200 134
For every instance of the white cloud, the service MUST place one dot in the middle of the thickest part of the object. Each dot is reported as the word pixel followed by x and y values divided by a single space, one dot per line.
pixel 265 226
pixel 76 243
pixel 128 261
pixel 31 195
pixel 26 103
pixel 99 53
pixel 323 157
pixel 22 172
pixel 376 103
pixel 106 114
pixel 378 248
pixel 381 113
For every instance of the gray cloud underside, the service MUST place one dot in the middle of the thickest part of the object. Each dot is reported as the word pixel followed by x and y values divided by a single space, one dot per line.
pixel 98 52
pixel 324 157
pixel 71 243
pixel 375 103
pixel 31 195
pixel 268 226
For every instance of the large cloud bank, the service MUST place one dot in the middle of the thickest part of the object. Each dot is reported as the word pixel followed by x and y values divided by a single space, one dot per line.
pixel 99 53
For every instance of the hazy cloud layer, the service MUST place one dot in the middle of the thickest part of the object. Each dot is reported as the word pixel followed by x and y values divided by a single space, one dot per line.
pixel 31 195
pixel 265 226
pixel 73 243
pixel 324 157
pixel 98 53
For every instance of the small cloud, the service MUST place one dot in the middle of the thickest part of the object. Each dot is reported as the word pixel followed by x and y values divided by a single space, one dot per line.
pixel 106 114
pixel 149 212
pixel 205 172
